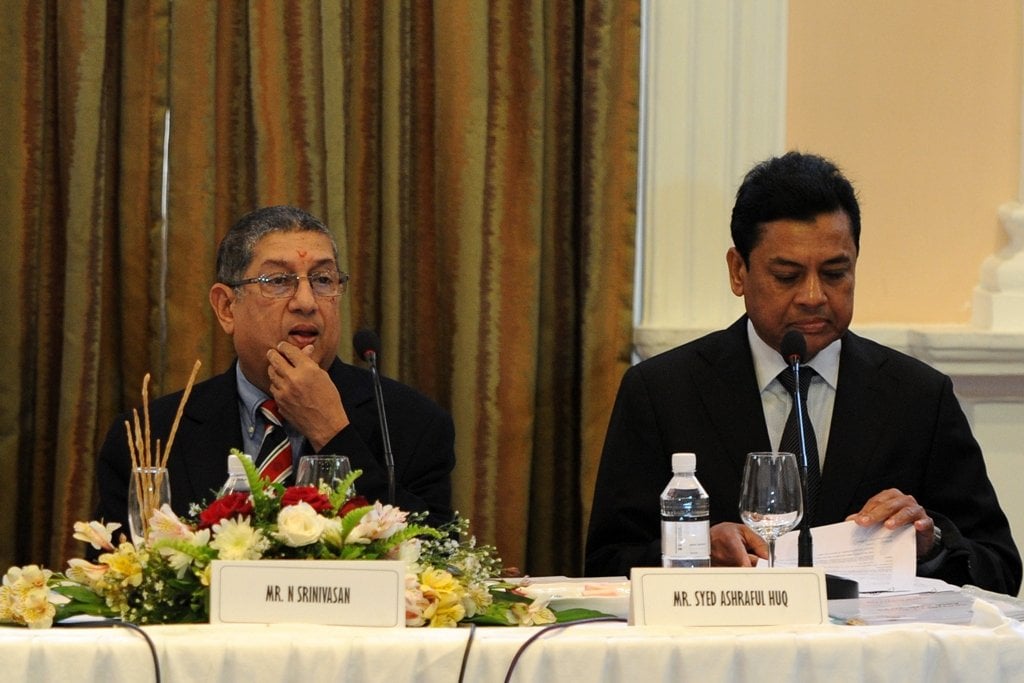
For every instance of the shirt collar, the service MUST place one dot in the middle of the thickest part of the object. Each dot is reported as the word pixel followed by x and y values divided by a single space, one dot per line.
pixel 768 362
pixel 249 394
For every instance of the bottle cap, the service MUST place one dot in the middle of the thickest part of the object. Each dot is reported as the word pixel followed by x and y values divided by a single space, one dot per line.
pixel 235 465
pixel 684 462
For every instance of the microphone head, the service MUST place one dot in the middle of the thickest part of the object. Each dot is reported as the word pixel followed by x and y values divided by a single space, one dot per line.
pixel 367 344
pixel 793 347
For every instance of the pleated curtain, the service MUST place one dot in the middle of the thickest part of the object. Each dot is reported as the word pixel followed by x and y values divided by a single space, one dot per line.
pixel 475 160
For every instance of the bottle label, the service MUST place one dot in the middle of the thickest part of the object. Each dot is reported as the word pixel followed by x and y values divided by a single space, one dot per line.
pixel 685 540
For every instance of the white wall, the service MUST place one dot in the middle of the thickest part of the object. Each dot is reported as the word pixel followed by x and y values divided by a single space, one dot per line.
pixel 715 103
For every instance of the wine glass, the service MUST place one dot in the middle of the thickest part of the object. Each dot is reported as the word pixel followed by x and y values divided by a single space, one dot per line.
pixel 771 501
pixel 314 470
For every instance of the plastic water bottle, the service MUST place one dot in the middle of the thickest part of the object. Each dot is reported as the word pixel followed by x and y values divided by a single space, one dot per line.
pixel 685 540
pixel 237 481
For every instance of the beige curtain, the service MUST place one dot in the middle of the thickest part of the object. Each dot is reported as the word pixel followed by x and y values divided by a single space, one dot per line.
pixel 477 162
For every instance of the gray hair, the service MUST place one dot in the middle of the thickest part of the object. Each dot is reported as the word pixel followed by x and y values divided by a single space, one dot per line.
pixel 238 246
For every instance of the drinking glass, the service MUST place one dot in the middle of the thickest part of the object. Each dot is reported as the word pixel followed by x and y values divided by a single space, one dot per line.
pixel 314 470
pixel 149 488
pixel 771 501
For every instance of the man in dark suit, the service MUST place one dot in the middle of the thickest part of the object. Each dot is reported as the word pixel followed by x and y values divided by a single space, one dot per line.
pixel 899 448
pixel 277 294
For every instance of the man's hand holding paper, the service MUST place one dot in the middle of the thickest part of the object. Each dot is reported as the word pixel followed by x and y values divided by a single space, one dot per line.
pixel 877 558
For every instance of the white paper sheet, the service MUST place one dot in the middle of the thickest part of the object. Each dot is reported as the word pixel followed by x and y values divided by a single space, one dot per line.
pixel 878 559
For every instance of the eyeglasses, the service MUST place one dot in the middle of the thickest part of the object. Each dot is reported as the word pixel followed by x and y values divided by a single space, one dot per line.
pixel 324 283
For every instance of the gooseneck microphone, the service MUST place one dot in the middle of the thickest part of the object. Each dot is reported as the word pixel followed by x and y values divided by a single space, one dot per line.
pixel 367 344
pixel 794 348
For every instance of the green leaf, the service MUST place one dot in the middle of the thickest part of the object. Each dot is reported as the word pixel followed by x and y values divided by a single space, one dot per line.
pixel 351 520
pixel 577 613
pixel 73 609
pixel 344 488
pixel 79 593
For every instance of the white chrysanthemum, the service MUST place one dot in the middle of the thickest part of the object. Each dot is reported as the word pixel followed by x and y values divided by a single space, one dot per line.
pixel 180 560
pixel 235 539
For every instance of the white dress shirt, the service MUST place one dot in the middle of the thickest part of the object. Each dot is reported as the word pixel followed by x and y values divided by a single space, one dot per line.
pixel 777 402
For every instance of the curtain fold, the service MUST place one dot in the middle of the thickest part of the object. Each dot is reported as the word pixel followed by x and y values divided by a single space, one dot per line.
pixel 476 161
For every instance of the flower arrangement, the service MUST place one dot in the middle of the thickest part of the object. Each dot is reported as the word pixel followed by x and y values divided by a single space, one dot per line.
pixel 166 579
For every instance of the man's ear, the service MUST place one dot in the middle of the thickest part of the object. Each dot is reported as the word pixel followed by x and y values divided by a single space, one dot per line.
pixel 737 270
pixel 222 299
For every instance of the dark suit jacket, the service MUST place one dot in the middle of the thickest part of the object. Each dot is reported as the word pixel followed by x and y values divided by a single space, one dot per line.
pixel 896 423
pixel 422 438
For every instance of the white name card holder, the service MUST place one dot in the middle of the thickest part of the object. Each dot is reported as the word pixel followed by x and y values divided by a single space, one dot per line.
pixel 727 596
pixel 335 592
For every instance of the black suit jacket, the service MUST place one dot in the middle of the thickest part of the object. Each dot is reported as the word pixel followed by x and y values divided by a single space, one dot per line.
pixel 422 438
pixel 896 423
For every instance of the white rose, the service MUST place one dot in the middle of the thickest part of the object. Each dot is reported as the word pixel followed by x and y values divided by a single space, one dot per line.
pixel 299 525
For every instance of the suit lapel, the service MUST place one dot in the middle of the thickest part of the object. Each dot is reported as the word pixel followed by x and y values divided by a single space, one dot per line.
pixel 732 397
pixel 857 419
pixel 210 427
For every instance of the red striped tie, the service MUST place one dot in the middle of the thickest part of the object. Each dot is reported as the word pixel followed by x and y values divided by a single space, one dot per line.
pixel 275 459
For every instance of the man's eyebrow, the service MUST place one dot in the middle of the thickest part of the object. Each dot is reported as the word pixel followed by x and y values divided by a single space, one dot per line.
pixel 841 260
pixel 284 265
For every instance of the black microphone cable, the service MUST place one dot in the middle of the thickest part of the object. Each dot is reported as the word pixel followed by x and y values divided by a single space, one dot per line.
pixel 117 623
pixel 547 629
pixel 465 653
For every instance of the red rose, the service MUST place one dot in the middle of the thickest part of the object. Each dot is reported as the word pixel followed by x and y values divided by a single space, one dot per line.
pixel 308 494
pixel 351 504
pixel 226 507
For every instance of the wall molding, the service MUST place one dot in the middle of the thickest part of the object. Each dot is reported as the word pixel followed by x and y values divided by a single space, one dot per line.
pixel 985 365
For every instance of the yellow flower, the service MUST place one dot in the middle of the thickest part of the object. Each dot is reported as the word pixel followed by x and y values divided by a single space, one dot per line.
pixel 37 610
pixel 437 580
pixel 532 614
pixel 445 596
pixel 86 573
pixel 205 574
pixel 476 599
pixel 448 616
pixel 124 565
pixel 99 536
pixel 25 597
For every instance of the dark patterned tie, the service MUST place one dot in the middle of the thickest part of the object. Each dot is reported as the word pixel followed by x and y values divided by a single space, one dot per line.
pixel 791 436
pixel 275 459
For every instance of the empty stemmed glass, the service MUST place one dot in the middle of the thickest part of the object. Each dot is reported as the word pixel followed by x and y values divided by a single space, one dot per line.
pixel 314 470
pixel 771 501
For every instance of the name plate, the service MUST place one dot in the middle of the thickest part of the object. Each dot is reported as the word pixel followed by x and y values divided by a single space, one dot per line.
pixel 336 592
pixel 727 596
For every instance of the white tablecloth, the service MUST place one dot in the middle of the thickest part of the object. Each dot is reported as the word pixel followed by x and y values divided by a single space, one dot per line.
pixel 990 650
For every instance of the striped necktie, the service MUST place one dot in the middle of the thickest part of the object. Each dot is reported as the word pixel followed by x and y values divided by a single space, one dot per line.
pixel 790 442
pixel 275 459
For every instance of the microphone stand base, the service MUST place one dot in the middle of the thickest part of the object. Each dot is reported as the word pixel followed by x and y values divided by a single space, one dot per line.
pixel 839 588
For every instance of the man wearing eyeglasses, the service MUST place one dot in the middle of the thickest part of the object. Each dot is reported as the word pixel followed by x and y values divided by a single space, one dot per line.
pixel 277 293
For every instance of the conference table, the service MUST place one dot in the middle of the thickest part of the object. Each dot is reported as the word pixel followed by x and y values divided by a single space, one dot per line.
pixel 990 648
